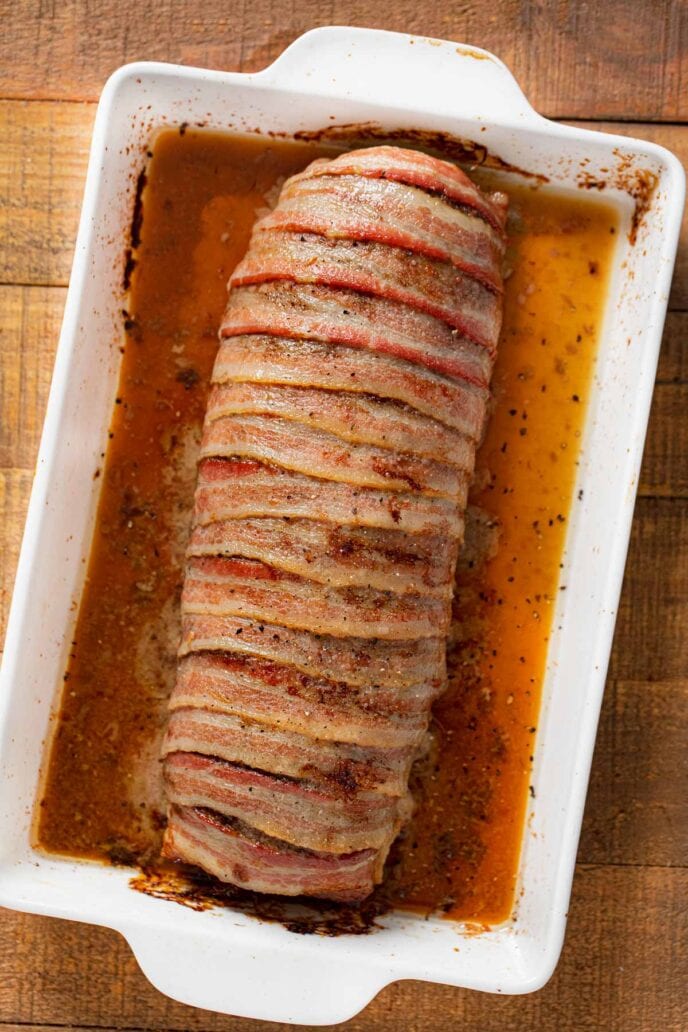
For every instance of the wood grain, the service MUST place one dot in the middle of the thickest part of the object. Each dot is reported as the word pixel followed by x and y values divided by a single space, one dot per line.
pixel 673 357
pixel 568 57
pixel 650 638
pixel 59 973
pixel 637 807
pixel 664 471
pixel 30 320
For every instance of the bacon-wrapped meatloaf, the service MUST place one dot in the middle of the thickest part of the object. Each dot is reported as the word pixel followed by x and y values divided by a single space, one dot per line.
pixel 348 396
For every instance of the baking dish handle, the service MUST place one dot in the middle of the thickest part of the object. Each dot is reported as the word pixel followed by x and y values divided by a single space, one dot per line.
pixel 400 71
pixel 257 977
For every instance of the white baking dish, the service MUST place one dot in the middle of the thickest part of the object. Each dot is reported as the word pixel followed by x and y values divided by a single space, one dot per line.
pixel 222 959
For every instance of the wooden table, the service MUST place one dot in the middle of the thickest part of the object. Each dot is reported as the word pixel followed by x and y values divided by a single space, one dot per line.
pixel 620 65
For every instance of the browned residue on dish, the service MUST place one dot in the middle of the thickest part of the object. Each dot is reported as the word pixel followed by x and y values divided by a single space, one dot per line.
pixel 134 232
pixel 639 183
pixel 444 145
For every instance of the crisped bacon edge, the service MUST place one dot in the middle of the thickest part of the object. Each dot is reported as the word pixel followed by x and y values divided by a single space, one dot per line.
pixel 416 169
pixel 229 852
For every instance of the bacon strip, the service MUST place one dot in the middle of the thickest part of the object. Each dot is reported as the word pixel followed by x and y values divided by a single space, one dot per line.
pixel 416 169
pixel 355 660
pixel 340 556
pixel 367 715
pixel 359 210
pixel 432 286
pixel 315 312
pixel 299 448
pixel 363 419
pixel 244 587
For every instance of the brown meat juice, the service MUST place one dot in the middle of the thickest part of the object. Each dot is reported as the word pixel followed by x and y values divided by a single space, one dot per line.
pixel 102 793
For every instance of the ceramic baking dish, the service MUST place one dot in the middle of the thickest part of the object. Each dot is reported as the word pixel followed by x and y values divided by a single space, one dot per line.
pixel 222 959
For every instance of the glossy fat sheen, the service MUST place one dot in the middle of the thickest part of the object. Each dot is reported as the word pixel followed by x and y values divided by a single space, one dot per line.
pixel 420 281
pixel 270 439
pixel 345 316
pixel 363 419
pixel 368 212
pixel 244 587
pixel 308 363
pixel 416 169
pixel 249 742
pixel 348 396
pixel 236 490
pixel 293 811
pixel 280 696
pixel 357 661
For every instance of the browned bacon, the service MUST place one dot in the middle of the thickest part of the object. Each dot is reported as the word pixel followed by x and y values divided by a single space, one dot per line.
pixel 355 660
pixel 415 169
pixel 329 820
pixel 459 403
pixel 367 212
pixel 346 316
pixel 265 747
pixel 341 556
pixel 237 853
pixel 362 419
pixel 269 439
pixel 349 393
pixel 432 286
pixel 381 716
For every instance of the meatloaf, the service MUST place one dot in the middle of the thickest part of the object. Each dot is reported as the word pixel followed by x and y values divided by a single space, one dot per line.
pixel 348 397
